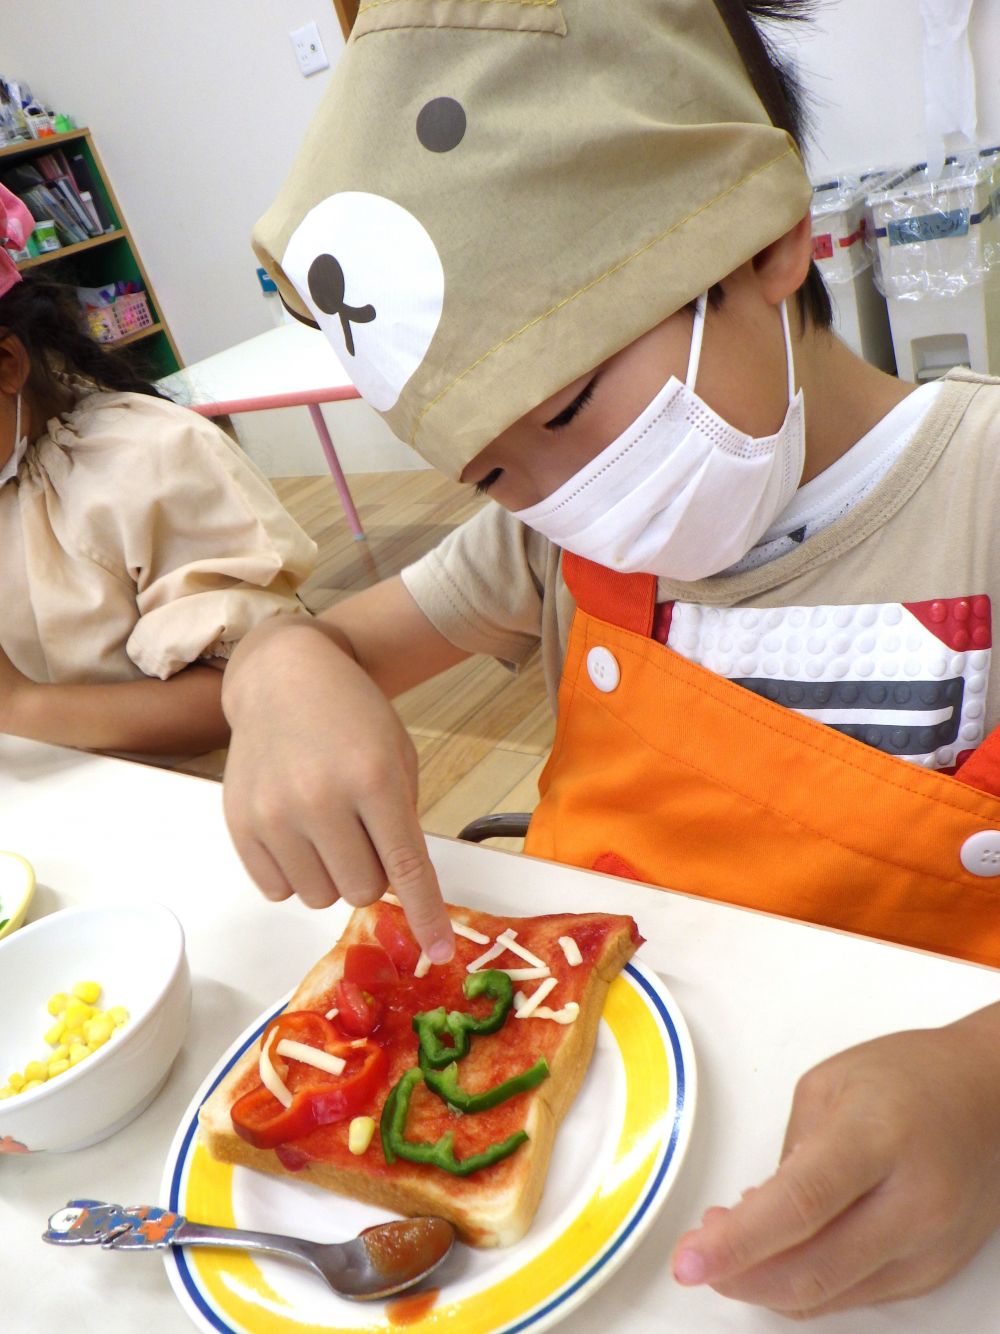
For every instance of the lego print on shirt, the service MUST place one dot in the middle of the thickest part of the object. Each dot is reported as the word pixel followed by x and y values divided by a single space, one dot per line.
pixel 906 677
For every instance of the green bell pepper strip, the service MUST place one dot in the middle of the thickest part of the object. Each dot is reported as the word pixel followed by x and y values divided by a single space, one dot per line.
pixel 432 1025
pixel 498 986
pixel 442 1152
pixel 445 1084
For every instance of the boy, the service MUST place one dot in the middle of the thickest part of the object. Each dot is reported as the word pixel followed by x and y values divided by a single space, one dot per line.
pixel 565 250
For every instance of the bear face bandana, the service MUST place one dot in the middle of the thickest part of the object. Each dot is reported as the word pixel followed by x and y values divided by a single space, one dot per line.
pixel 498 195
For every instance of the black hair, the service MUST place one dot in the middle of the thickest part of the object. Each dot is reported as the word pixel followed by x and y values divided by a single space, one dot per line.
pixel 47 319
pixel 779 89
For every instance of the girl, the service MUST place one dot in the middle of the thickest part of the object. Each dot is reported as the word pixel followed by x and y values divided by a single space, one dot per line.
pixel 591 295
pixel 140 545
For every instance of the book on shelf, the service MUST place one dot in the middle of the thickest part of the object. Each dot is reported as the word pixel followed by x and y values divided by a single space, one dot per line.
pixel 50 191
pixel 80 170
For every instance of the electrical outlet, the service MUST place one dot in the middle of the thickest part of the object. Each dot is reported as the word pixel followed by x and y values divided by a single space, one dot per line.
pixel 308 47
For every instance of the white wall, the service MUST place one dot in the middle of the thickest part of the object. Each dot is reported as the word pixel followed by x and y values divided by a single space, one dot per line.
pixel 861 62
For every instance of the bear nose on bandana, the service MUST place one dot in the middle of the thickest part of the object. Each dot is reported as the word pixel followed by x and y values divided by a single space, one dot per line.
pixel 327 287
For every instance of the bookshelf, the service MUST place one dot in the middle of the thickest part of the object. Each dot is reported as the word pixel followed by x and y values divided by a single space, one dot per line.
pixel 101 259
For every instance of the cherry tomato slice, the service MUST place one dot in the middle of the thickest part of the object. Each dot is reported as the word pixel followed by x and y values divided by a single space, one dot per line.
pixel 358 1010
pixel 370 967
pixel 394 936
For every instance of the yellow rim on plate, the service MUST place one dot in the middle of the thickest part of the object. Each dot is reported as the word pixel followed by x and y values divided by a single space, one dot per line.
pixel 226 1291
pixel 12 910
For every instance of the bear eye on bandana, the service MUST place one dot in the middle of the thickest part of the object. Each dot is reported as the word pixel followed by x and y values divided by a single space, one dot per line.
pixel 680 493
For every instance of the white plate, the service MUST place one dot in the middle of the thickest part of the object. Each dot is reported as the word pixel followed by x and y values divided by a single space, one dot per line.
pixel 615 1159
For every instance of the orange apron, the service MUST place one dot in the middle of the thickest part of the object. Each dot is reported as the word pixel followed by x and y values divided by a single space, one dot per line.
pixel 675 776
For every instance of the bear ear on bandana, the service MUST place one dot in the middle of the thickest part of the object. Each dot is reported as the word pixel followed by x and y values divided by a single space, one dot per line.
pixel 16 225
pixel 494 199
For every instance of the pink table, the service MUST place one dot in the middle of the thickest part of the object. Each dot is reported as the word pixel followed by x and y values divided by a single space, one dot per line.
pixel 287 367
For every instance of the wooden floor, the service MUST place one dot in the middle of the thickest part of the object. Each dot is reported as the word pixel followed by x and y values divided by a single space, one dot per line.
pixel 481 733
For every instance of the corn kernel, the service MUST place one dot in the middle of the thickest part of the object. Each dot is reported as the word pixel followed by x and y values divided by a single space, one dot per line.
pixel 16 1081
pixel 7 1092
pixel 57 1067
pixel 57 1003
pixel 77 1053
pixel 359 1134
pixel 77 1013
pixel 118 1015
pixel 35 1071
pixel 60 1053
pixel 89 992
pixel 32 1084
pixel 96 1031
pixel 54 1035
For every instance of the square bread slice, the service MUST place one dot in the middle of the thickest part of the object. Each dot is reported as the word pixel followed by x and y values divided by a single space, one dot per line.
pixel 495 1205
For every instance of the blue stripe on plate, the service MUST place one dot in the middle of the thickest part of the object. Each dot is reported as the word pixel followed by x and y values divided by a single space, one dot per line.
pixel 642 1208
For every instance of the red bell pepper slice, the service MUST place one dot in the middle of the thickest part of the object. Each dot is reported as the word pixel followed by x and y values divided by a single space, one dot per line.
pixel 318 1098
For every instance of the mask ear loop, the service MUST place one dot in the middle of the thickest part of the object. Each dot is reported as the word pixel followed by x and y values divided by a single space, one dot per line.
pixel 17 422
pixel 697 334
pixel 790 360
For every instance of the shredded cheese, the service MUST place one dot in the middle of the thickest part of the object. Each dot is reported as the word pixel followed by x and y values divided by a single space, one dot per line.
pixel 477 937
pixel 571 950
pixel 391 898
pixel 423 966
pixel 270 1078
pixel 566 1015
pixel 332 1014
pixel 529 1007
pixel 508 938
pixel 494 950
pixel 359 1042
pixel 301 1051
pixel 525 974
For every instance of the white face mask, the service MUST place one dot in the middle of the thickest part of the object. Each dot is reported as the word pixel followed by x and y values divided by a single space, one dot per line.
pixel 10 468
pixel 681 493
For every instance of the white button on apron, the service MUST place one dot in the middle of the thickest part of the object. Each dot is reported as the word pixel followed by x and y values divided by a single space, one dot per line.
pixel 981 853
pixel 603 670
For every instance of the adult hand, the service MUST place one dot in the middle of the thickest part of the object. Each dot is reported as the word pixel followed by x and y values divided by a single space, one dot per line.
pixel 889 1180
pixel 321 784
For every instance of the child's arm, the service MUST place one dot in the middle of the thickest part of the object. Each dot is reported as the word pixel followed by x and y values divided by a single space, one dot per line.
pixel 180 716
pixel 321 782
pixel 889 1181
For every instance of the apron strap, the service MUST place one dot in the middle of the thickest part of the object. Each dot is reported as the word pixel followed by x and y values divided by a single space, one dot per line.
pixel 626 600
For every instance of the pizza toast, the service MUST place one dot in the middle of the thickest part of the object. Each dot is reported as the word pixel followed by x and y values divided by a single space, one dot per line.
pixel 559 966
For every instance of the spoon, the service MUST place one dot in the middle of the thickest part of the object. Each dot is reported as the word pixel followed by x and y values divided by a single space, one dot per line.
pixel 382 1261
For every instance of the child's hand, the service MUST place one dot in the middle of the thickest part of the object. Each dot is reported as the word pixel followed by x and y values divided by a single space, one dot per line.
pixel 321 784
pixel 889 1181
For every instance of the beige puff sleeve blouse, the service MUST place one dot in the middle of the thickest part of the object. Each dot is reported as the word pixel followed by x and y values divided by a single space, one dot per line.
pixel 136 539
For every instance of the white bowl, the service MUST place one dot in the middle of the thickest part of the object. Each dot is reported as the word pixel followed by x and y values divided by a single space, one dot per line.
pixel 136 953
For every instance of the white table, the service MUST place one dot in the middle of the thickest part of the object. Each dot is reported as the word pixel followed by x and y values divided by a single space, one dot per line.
pixel 764 999
pixel 287 367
